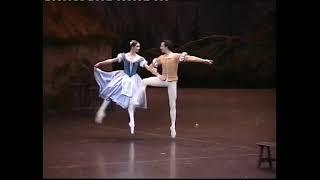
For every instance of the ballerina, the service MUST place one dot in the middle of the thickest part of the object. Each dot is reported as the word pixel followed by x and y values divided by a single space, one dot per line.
pixel 123 86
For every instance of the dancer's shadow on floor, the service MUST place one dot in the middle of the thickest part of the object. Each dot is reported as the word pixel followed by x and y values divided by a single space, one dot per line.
pixel 113 139
pixel 267 169
pixel 123 139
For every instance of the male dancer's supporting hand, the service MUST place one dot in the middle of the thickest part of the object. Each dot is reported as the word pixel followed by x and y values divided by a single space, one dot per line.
pixel 162 78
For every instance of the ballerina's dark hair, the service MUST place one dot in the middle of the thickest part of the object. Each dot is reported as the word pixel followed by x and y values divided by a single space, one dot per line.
pixel 133 43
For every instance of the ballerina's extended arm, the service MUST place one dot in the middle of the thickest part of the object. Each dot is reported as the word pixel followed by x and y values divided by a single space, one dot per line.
pixel 108 61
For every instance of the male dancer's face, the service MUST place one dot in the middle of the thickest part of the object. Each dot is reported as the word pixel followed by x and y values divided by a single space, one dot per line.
pixel 163 48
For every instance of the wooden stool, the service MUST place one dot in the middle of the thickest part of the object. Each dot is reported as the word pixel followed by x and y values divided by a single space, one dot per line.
pixel 269 158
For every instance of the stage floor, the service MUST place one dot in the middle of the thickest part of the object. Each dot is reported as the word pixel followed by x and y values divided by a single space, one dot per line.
pixel 230 122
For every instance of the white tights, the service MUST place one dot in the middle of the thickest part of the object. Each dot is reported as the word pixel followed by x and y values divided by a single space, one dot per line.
pixel 151 81
pixel 101 113
pixel 172 93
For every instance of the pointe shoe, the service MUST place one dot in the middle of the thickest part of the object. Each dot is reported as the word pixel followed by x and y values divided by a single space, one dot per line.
pixel 173 132
pixel 99 117
pixel 131 128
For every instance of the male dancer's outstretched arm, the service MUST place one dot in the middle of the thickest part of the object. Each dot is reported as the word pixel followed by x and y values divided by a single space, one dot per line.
pixel 187 58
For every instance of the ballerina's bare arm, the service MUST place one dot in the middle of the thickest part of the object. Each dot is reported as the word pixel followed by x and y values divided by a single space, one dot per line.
pixel 108 61
pixel 153 69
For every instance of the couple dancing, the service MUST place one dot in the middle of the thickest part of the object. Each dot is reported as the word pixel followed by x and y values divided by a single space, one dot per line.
pixel 128 90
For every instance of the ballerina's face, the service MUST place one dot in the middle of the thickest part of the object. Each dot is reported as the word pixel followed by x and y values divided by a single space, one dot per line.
pixel 136 48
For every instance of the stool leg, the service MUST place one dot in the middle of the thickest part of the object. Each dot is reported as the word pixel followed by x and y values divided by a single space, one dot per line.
pixel 260 156
pixel 269 158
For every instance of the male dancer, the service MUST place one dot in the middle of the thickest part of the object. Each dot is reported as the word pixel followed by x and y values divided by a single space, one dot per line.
pixel 169 77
